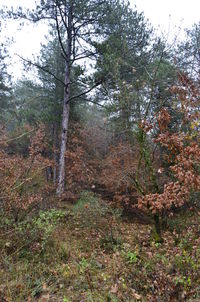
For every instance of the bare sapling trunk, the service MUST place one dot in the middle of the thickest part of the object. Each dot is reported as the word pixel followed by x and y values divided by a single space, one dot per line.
pixel 158 236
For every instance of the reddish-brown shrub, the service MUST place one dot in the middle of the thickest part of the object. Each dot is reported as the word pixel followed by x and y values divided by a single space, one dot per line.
pixel 20 176
pixel 118 173
pixel 183 146
pixel 81 164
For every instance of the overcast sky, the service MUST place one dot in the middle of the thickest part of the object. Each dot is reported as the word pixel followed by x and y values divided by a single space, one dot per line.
pixel 166 15
pixel 182 12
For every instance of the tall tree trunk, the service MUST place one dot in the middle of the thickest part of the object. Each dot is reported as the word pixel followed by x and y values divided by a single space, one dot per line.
pixel 55 152
pixel 66 106
pixel 65 123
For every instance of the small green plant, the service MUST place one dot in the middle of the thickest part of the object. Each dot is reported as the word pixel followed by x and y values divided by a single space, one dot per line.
pixel 132 257
pixel 50 217
pixel 83 265
pixel 37 288
pixel 47 221
pixel 183 280
pixel 38 228
pixel 183 261
pixel 157 244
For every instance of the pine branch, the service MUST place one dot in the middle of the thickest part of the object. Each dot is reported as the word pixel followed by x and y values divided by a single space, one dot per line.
pixel 42 68
pixel 84 93
pixel 93 102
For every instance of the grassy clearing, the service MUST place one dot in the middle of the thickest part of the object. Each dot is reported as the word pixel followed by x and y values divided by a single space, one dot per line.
pixel 88 252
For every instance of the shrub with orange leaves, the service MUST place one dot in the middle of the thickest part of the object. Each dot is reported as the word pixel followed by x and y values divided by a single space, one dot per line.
pixel 20 176
pixel 118 173
pixel 183 151
pixel 81 165
pixel 157 180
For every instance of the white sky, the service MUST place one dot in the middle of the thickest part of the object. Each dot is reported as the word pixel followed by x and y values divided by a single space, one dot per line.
pixel 182 12
pixel 168 15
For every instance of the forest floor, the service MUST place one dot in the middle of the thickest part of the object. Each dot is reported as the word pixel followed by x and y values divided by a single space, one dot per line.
pixel 89 252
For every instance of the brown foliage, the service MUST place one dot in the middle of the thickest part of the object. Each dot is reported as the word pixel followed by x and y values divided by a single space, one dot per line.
pixel 137 174
pixel 184 147
pixel 118 170
pixel 19 176
pixel 81 166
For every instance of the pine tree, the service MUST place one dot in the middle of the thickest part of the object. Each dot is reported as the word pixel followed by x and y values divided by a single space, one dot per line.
pixel 5 89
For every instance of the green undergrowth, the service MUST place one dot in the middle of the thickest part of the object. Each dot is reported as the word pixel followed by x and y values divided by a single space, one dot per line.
pixel 87 252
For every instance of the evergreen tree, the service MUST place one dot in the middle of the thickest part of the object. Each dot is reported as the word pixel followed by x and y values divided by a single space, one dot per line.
pixel 78 20
pixel 188 52
pixel 5 89
pixel 122 64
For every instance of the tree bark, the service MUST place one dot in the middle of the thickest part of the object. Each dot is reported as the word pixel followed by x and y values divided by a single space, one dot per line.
pixel 66 106
pixel 55 155
pixel 158 237
pixel 65 122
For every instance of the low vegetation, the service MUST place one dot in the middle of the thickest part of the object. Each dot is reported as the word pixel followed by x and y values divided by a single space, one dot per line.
pixel 91 252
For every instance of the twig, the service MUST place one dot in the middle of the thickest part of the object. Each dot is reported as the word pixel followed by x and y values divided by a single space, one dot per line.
pixel 42 68
pixel 20 136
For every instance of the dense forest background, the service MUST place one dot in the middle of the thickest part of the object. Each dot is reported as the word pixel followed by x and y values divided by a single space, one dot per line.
pixel 99 159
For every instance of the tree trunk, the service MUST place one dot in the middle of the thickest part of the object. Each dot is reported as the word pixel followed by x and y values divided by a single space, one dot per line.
pixel 158 237
pixel 66 105
pixel 55 168
pixel 65 122
pixel 55 154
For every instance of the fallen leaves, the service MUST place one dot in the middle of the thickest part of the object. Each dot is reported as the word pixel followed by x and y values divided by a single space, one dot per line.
pixel 114 289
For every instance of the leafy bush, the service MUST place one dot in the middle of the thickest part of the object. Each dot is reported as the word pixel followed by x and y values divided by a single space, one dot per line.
pixel 19 175
pixel 32 234
pixel 46 222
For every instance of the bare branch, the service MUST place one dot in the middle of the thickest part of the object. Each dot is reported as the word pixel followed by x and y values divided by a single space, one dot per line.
pixel 61 14
pixel 93 102
pixel 20 136
pixel 42 68
pixel 83 93
pixel 60 39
